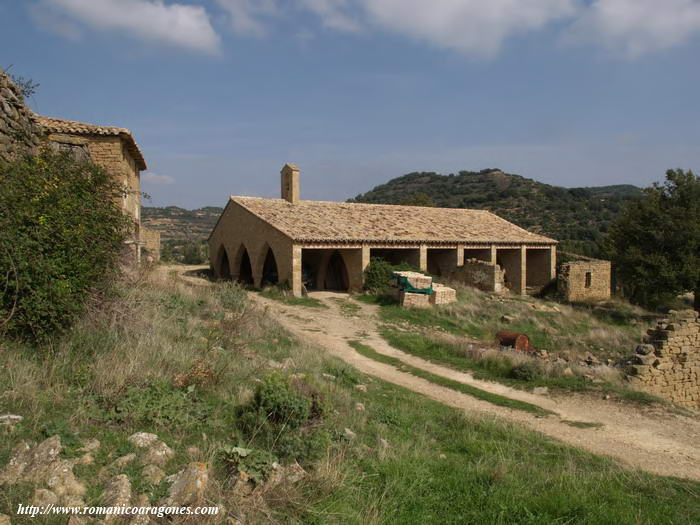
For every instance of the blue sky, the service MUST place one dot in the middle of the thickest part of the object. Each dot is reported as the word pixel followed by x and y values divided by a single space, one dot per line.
pixel 221 93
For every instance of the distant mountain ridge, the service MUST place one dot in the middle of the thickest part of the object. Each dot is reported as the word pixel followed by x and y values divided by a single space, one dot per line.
pixel 577 216
pixel 176 223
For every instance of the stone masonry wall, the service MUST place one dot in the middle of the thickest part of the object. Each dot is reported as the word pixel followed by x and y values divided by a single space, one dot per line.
pixel 151 242
pixel 480 274
pixel 19 134
pixel 669 364
pixel 572 283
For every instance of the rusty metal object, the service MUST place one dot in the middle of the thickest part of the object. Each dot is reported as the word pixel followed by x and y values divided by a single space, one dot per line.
pixel 516 340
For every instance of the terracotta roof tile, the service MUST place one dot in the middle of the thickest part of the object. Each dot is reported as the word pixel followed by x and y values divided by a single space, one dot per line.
pixel 316 221
pixel 72 127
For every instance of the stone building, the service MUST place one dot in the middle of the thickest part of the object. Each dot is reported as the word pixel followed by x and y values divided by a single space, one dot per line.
pixel 116 151
pixel 23 132
pixel 585 279
pixel 327 245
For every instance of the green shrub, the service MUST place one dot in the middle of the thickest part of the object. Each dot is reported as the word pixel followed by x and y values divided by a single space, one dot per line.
pixel 378 274
pixel 61 232
pixel 285 417
pixel 279 402
pixel 527 371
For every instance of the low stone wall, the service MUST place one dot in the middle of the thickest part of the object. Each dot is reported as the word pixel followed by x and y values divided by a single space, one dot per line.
pixel 19 133
pixel 483 275
pixel 585 279
pixel 669 364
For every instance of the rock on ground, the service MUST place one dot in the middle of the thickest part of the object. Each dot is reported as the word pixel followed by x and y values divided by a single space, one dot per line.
pixel 41 465
pixel 153 474
pixel 10 419
pixel 117 493
pixel 188 486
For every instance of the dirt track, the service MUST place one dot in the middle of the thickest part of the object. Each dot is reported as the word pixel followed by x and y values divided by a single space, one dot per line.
pixel 652 439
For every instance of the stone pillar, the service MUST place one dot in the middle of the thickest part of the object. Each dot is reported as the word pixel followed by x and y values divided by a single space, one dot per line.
pixel 296 271
pixel 423 258
pixel 514 262
pixel 355 263
pixel 493 254
pixel 553 263
pixel 460 255
pixel 365 257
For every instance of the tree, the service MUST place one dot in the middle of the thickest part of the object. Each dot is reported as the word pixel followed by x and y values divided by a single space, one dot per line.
pixel 655 241
pixel 417 199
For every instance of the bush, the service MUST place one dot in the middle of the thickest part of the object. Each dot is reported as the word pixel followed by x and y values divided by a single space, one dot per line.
pixel 61 233
pixel 378 274
pixel 527 371
pixel 278 402
pixel 285 417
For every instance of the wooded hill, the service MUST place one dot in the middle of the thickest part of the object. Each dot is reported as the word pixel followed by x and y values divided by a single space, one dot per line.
pixel 576 216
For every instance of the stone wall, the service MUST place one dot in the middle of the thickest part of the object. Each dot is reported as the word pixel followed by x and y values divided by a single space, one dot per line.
pixel 669 364
pixel 19 134
pixel 151 243
pixel 480 274
pixel 585 279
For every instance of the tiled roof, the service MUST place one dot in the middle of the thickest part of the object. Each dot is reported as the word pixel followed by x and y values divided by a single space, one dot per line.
pixel 71 127
pixel 315 221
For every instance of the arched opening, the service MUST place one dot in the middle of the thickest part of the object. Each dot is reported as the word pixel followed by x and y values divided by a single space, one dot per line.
pixel 224 267
pixel 245 273
pixel 269 273
pixel 336 274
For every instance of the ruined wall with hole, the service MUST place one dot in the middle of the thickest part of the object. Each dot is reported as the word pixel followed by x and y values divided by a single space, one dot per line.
pixel 483 275
pixel 19 133
pixel 585 279
pixel 669 364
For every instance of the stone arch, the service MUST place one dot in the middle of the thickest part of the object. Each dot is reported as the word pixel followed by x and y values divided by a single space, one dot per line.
pixel 242 266
pixel 270 270
pixel 223 266
pixel 336 273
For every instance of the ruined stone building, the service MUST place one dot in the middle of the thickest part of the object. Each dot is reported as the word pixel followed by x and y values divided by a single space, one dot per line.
pixel 113 148
pixel 328 245
pixel 585 279
pixel 116 151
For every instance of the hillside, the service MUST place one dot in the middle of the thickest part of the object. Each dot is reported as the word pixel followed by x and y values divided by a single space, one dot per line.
pixel 578 216
pixel 175 223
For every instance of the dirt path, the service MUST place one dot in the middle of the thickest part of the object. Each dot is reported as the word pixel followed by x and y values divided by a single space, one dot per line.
pixel 651 439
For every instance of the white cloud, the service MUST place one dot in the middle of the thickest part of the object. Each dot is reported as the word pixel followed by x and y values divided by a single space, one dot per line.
pixel 154 178
pixel 636 27
pixel 180 25
pixel 476 27
pixel 333 13
pixel 247 17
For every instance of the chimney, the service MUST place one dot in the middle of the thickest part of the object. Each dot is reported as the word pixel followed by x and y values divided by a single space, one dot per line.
pixel 290 183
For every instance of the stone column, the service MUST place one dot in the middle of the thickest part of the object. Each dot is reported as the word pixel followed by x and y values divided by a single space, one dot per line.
pixel 355 262
pixel 423 258
pixel 460 255
pixel 296 271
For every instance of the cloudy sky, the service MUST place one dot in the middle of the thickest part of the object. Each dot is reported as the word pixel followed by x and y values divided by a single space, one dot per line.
pixel 221 93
